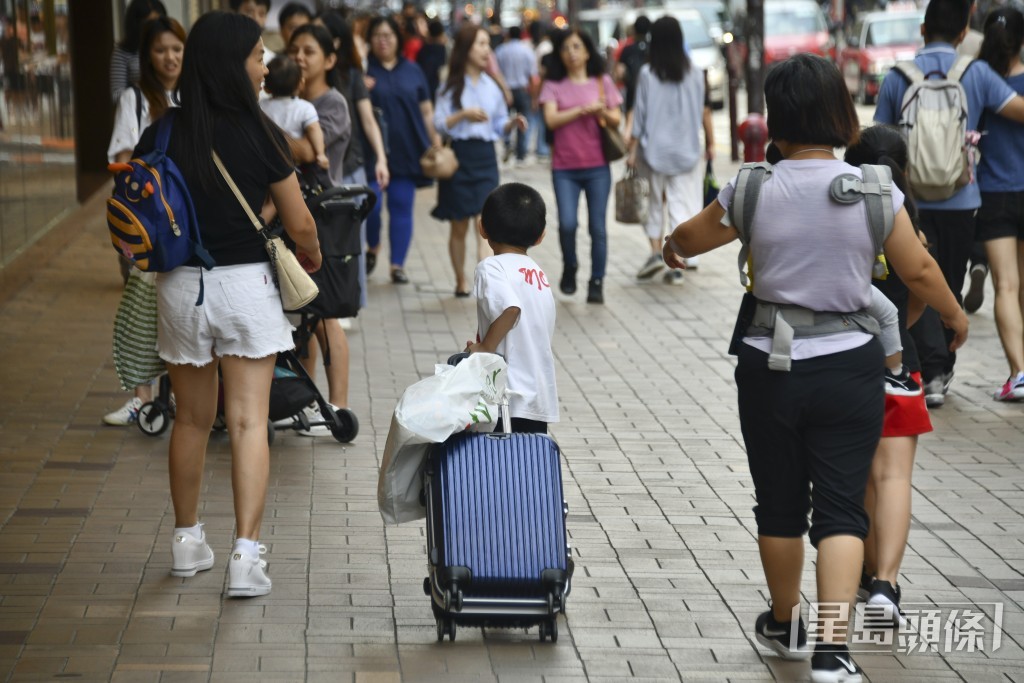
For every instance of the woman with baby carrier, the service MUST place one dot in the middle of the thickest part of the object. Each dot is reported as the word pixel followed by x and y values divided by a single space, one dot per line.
pixel 229 317
pixel 810 375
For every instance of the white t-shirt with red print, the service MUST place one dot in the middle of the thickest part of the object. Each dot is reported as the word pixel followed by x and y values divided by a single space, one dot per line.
pixel 515 280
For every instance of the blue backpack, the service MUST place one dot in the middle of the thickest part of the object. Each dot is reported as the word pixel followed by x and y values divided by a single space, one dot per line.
pixel 150 215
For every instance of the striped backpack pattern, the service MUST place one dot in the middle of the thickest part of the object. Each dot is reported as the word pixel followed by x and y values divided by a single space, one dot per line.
pixel 150 214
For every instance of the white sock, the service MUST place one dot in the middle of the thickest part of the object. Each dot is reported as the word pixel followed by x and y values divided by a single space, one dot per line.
pixel 244 545
pixel 896 369
pixel 195 532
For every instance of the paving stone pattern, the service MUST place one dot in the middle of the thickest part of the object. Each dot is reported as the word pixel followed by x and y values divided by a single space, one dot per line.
pixel 668 580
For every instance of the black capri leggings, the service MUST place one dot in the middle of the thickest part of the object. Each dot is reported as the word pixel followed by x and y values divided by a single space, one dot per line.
pixel 811 434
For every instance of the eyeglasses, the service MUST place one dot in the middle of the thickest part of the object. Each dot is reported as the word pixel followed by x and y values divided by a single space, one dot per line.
pixel 383 35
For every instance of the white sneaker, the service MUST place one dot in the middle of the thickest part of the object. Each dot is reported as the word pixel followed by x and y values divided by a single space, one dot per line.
pixel 247 575
pixel 314 415
pixel 126 414
pixel 190 555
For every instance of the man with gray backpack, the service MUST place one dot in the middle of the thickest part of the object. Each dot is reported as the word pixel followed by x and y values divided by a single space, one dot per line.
pixel 937 101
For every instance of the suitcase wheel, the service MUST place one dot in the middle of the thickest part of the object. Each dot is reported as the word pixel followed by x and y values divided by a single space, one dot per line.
pixel 452 601
pixel 445 626
pixel 549 630
pixel 426 586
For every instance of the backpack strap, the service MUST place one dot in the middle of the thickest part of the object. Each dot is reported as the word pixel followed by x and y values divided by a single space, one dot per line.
pixel 742 208
pixel 163 130
pixel 910 71
pixel 875 189
pixel 959 69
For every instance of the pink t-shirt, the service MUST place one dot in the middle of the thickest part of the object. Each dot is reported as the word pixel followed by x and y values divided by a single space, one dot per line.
pixel 578 144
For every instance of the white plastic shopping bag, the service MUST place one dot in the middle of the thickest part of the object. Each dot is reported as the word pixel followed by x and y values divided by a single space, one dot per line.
pixel 454 399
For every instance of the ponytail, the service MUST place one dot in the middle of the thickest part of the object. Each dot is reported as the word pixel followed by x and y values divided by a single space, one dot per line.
pixel 1004 36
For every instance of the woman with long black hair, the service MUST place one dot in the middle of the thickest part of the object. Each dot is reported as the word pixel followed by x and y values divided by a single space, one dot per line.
pixel 670 107
pixel 471 110
pixel 239 326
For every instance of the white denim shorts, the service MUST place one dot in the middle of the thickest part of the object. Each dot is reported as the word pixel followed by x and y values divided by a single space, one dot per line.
pixel 240 315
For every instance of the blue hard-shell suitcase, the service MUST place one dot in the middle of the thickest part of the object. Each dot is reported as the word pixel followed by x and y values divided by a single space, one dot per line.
pixel 497 550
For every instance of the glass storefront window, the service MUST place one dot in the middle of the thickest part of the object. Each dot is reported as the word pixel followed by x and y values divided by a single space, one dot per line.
pixel 37 146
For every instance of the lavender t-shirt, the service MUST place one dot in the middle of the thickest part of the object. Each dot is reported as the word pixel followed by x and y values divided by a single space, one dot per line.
pixel 809 250
pixel 578 144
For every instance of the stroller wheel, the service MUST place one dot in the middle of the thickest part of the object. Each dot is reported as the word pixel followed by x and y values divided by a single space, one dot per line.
pixel 347 427
pixel 153 418
pixel 271 432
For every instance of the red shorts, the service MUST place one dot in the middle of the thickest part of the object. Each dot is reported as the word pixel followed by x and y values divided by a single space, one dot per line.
pixel 906 415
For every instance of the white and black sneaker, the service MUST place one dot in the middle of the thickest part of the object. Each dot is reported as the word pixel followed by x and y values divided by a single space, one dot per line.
pixel 902 384
pixel 833 664
pixel 885 601
pixel 781 638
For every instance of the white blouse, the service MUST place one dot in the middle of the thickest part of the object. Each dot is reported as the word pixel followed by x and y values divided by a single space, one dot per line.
pixel 128 125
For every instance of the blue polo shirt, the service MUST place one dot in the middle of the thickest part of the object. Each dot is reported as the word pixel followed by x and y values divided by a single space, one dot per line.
pixel 985 90
pixel 1002 150
pixel 399 92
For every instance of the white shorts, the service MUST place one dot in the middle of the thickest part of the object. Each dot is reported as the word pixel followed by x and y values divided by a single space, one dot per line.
pixel 240 315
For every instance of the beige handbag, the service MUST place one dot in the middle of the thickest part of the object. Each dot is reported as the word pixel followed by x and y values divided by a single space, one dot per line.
pixel 439 163
pixel 296 286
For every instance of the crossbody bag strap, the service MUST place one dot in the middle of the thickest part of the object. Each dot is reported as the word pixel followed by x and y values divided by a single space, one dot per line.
pixel 238 195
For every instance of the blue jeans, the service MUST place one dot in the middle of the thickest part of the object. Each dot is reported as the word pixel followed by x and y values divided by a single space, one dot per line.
pixel 401 194
pixel 537 126
pixel 520 105
pixel 596 183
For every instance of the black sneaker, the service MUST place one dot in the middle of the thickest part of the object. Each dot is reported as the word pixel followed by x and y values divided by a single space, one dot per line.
pixel 371 262
pixel 975 296
pixel 595 293
pixel 568 282
pixel 864 589
pixel 779 637
pixel 886 598
pixel 833 664
pixel 902 384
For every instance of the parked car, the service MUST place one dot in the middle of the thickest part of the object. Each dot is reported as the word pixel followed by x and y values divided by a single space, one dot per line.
pixel 607 27
pixel 795 26
pixel 877 41
pixel 715 14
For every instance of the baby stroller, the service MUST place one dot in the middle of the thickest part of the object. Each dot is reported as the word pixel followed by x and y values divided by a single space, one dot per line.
pixel 338 212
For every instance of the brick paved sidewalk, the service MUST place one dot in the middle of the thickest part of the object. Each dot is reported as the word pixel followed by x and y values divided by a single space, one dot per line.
pixel 668 581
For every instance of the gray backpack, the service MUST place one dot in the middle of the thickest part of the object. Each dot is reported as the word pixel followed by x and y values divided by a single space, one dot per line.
pixel 933 119
pixel 783 322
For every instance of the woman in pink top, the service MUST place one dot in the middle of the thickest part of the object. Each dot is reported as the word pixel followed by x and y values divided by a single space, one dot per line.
pixel 578 98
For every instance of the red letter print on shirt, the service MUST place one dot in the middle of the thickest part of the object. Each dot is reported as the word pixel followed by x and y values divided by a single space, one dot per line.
pixel 532 274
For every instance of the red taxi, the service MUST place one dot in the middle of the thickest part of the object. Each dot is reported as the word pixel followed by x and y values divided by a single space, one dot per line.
pixel 878 40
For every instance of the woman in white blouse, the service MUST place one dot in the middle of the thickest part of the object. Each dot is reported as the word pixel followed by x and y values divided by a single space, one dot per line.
pixel 160 51
pixel 471 110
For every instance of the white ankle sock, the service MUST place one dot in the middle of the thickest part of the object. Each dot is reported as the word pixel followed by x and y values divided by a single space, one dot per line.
pixel 195 532
pixel 244 545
